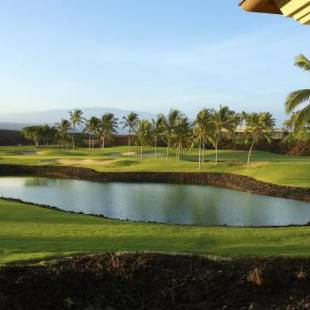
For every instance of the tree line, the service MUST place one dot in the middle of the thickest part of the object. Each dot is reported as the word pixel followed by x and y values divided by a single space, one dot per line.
pixel 175 129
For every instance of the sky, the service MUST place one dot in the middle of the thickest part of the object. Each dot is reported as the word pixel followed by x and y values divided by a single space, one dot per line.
pixel 147 56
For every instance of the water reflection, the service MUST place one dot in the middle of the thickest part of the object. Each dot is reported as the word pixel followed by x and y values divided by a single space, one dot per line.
pixel 169 203
pixel 39 181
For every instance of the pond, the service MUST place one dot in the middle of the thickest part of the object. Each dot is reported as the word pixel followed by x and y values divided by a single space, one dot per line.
pixel 165 203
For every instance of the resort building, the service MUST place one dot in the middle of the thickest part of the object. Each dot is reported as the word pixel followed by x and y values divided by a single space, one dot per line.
pixel 239 134
pixel 297 9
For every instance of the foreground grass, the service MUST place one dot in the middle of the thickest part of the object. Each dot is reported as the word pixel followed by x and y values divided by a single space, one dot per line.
pixel 28 233
pixel 269 167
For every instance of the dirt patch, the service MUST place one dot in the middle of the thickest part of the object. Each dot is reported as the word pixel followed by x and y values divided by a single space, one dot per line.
pixel 154 281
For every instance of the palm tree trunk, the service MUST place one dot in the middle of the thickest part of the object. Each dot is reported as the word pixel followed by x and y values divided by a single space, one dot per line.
pixel 168 145
pixel 156 148
pixel 73 144
pixel 216 152
pixel 203 152
pixel 129 133
pixel 89 141
pixel 141 150
pixel 73 138
pixel 249 155
pixel 102 146
pixel 199 153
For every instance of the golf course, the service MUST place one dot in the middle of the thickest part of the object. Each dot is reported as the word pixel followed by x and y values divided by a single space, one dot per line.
pixel 265 166
pixel 30 233
pixel 155 155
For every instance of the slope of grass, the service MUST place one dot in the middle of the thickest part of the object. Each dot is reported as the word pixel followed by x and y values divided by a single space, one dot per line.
pixel 29 232
pixel 269 167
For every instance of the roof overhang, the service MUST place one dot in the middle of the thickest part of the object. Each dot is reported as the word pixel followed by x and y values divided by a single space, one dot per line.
pixel 297 9
pixel 262 6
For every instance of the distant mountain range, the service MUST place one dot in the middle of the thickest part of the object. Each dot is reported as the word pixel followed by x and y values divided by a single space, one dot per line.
pixel 17 121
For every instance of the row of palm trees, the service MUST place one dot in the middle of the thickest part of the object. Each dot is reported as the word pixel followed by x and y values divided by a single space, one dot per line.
pixel 174 129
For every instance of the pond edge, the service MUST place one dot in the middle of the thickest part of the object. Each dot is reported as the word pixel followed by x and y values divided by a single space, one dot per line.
pixel 102 216
pixel 225 180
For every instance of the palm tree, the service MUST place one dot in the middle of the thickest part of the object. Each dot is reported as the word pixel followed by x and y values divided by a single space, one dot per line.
pixel 202 132
pixel 63 128
pixel 223 120
pixel 76 118
pixel 170 122
pixel 156 130
pixel 131 122
pixel 298 97
pixel 91 128
pixel 258 126
pixel 296 133
pixel 108 127
pixel 48 133
pixel 182 135
pixel 143 134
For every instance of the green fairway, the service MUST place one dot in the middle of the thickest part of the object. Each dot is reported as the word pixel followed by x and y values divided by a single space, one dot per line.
pixel 269 167
pixel 29 232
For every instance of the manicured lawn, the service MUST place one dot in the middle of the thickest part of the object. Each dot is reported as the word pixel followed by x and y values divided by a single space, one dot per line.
pixel 28 233
pixel 274 168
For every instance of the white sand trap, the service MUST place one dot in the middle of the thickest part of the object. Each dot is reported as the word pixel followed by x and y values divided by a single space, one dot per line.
pixel 129 153
pixel 83 161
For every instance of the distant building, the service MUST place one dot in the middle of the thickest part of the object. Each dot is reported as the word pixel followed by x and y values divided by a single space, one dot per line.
pixel 297 9
pixel 238 134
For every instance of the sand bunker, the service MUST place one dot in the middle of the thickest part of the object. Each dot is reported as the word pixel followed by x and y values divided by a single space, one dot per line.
pixel 83 161
pixel 129 153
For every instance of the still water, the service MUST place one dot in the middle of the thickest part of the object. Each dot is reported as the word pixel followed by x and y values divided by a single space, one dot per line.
pixel 167 203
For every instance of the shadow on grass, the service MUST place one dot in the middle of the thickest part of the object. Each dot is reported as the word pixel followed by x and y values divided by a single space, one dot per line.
pixel 125 163
pixel 12 245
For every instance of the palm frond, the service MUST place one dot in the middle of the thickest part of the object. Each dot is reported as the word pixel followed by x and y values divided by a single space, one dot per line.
pixel 302 117
pixel 296 98
pixel 302 62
